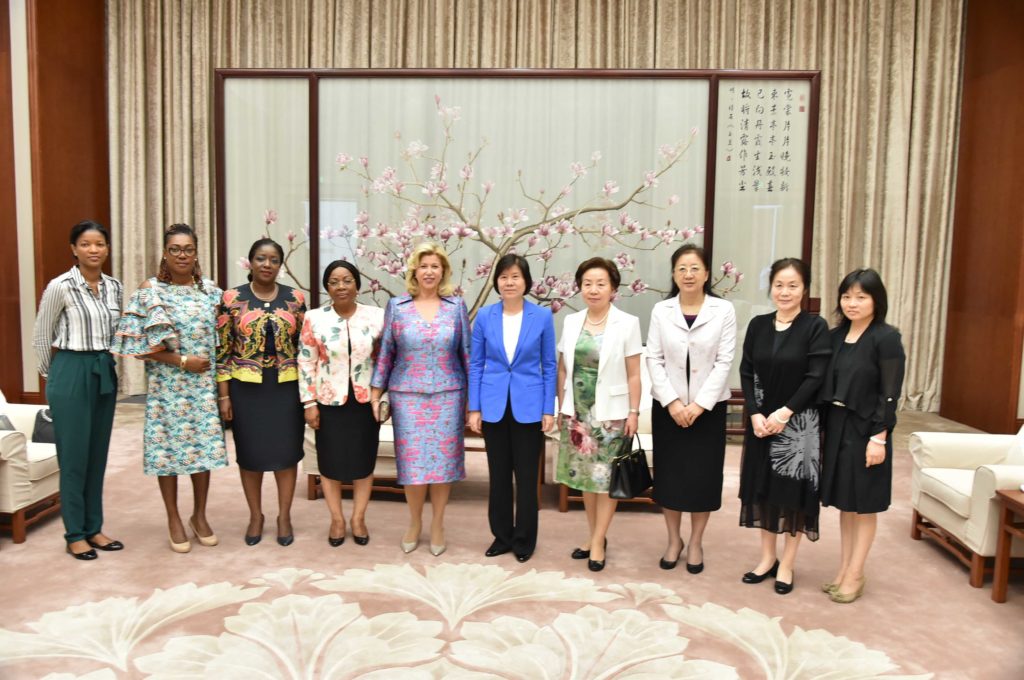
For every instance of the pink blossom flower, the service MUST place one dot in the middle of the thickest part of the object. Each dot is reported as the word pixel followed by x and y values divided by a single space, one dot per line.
pixel 673 199
pixel 556 305
pixel 650 179
pixel 566 190
pixel 531 241
pixel 624 218
pixel 515 216
pixel 581 439
pixel 610 187
pixel 624 261
pixel 539 289
pixel 415 149
pixel 243 262
pixel 434 188
pixel 546 254
pixel 564 227
pixel 374 285
pixel 728 268
pixel 397 187
pixel 270 216
pixel 487 186
pixel 644 234
pixel 466 172
pixel 438 170
pixel 551 279
pixel 543 229
pixel 699 229
pixel 667 150
pixel 666 235
pixel 360 251
pixel 483 269
pixel 638 287
pixel 607 230
pixel 688 233
pixel 364 161
pixel 362 217
pixel 578 170
pixel 342 160
pixel 595 157
pixel 559 210
pixel 445 235
pixel 290 236
pixel 395 267
pixel 738 277
pixel 462 230
pixel 363 231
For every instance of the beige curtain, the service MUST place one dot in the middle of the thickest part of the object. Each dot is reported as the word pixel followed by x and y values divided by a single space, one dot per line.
pixel 888 118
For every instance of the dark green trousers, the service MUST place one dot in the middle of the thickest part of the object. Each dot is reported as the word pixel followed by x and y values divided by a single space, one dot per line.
pixel 82 391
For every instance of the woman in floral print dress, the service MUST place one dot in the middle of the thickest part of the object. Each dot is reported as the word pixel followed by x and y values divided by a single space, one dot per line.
pixel 171 322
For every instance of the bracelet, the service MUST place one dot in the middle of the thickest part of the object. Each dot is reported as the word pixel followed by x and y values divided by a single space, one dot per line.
pixel 634 410
pixel 309 405
pixel 223 398
pixel 375 401
pixel 880 442
pixel 181 364
pixel 779 420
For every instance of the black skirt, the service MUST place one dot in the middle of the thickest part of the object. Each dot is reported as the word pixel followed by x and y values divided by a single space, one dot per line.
pixel 779 477
pixel 268 423
pixel 845 482
pixel 688 461
pixel 347 441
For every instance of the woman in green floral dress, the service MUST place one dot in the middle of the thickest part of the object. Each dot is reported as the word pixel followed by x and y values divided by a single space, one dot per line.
pixel 599 396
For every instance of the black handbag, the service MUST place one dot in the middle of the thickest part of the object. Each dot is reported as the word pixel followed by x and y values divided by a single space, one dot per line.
pixel 630 475
pixel 42 432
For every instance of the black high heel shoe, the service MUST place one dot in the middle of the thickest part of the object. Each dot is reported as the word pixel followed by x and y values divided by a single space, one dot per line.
pixel 109 547
pixel 695 568
pixel 284 541
pixel 581 554
pixel 783 588
pixel 754 577
pixel 665 564
pixel 256 538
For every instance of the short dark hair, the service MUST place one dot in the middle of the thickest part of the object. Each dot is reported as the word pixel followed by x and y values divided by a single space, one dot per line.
pixel 507 262
pixel 180 228
pixel 259 243
pixel 344 264
pixel 791 262
pixel 871 283
pixel 599 263
pixel 699 252
pixel 88 225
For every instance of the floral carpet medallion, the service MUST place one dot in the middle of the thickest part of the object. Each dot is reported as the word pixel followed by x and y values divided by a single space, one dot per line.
pixel 458 621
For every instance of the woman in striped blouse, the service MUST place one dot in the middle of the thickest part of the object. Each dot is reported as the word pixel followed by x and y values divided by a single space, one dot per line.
pixel 73 333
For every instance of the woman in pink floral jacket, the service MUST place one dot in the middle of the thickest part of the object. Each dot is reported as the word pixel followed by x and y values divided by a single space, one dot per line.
pixel 336 354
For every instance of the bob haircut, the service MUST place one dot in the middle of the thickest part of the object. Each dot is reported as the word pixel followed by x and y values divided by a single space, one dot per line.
pixel 88 225
pixel 699 252
pixel 871 283
pixel 418 253
pixel 599 263
pixel 344 264
pixel 507 262
pixel 259 243
pixel 794 263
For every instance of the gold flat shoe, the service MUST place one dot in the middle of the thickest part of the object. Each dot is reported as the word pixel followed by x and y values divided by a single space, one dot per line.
pixel 829 588
pixel 180 547
pixel 208 541
pixel 847 598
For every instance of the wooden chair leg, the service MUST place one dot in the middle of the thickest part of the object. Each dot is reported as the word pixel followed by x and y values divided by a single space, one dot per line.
pixel 915 530
pixel 977 570
pixel 563 498
pixel 18 526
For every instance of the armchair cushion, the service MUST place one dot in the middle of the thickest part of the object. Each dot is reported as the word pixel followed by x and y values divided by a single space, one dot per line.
pixel 949 486
pixel 964 451
pixel 42 460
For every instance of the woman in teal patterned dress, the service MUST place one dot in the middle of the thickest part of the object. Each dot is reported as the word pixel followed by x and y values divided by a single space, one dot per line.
pixel 599 394
pixel 171 322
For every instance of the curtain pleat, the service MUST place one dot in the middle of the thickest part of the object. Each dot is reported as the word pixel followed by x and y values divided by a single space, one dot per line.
pixel 886 136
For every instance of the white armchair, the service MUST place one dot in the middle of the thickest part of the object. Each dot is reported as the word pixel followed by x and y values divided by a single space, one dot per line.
pixel 953 484
pixel 29 474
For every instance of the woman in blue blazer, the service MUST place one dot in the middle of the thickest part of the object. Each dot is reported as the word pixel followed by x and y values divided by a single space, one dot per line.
pixel 512 369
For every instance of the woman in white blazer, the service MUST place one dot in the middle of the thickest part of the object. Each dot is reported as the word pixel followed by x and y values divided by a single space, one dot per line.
pixel 690 349
pixel 598 387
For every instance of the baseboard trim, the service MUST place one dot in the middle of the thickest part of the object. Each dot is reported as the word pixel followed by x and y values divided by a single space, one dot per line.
pixel 33 398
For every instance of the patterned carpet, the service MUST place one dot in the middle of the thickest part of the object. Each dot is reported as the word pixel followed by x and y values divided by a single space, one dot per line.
pixel 310 611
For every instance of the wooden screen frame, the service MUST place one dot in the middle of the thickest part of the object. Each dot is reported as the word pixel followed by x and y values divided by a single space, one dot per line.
pixel 313 76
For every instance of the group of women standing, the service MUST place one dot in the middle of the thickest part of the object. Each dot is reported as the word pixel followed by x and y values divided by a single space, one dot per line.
pixel 216 357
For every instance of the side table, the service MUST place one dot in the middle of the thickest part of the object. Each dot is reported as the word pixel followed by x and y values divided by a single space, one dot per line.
pixel 1011 503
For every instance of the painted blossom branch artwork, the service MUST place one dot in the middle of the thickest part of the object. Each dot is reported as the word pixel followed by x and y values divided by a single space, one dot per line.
pixel 438 194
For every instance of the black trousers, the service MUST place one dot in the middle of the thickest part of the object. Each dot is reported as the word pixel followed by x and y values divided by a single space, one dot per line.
pixel 513 449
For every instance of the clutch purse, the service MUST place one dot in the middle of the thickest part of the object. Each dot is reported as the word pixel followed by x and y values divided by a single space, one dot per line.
pixel 630 475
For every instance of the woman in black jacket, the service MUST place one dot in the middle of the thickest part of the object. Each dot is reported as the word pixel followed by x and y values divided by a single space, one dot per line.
pixel 862 388
pixel 785 355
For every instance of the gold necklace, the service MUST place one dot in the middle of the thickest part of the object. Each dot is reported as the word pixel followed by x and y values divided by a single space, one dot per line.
pixel 266 301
